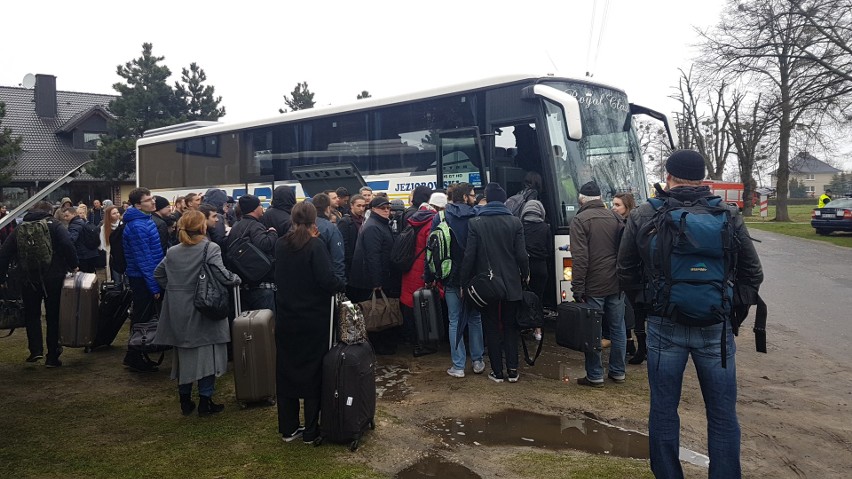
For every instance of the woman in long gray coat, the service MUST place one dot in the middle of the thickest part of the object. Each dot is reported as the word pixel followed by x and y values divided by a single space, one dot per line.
pixel 200 343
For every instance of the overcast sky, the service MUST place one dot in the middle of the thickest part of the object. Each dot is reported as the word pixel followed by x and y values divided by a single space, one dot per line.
pixel 254 52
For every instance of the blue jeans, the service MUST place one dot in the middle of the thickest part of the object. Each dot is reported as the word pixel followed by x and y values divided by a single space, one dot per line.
pixel 455 304
pixel 205 386
pixel 613 308
pixel 669 347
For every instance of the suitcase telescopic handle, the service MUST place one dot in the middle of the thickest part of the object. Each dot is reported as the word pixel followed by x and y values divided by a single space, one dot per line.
pixel 237 306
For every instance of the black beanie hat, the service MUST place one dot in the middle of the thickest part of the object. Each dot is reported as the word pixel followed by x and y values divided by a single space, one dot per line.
pixel 160 203
pixel 495 192
pixel 686 165
pixel 590 189
pixel 248 203
pixel 421 195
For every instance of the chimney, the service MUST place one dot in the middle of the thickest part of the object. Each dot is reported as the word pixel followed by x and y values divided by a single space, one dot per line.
pixel 45 96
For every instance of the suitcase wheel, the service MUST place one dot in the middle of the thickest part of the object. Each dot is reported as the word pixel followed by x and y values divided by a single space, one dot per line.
pixel 353 446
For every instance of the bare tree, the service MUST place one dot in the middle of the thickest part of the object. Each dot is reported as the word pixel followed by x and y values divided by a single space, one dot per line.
pixel 764 43
pixel 832 19
pixel 749 128
pixel 704 121
pixel 653 144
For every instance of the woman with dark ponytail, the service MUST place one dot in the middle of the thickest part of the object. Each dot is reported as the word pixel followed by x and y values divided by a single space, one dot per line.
pixel 306 282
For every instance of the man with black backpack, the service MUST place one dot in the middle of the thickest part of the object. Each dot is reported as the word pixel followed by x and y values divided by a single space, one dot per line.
pixel 689 260
pixel 45 253
pixel 255 292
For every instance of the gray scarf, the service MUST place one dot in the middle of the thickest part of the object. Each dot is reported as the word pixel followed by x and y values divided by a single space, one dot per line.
pixel 533 212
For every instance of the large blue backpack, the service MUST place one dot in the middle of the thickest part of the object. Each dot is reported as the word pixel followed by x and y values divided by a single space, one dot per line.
pixel 689 253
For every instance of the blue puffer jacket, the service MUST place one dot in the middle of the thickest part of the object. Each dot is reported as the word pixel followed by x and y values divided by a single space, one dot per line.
pixel 142 248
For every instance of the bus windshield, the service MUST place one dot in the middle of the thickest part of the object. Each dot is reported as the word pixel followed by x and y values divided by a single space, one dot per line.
pixel 608 153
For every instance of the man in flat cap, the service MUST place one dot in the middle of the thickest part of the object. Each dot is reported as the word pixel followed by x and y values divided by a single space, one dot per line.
pixel 595 233
pixel 675 304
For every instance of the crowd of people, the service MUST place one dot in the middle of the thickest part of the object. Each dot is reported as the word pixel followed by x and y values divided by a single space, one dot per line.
pixel 337 242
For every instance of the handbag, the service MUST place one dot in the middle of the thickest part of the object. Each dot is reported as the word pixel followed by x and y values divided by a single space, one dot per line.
pixel 381 315
pixel 143 336
pixel 211 296
pixel 486 287
pixel 12 315
pixel 247 260
pixel 351 327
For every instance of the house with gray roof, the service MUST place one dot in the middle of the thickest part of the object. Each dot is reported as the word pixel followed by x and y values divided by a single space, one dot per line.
pixel 60 130
pixel 815 174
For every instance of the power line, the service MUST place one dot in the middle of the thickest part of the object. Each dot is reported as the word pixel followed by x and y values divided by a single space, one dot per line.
pixel 591 34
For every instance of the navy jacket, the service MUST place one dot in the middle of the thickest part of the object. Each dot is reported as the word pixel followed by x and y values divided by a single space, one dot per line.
pixel 371 266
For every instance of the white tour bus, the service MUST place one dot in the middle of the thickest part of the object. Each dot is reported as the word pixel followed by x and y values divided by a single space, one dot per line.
pixel 569 131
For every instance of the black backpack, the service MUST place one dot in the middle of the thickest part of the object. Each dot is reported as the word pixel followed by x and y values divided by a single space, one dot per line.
pixel 90 236
pixel 117 261
pixel 403 252
pixel 247 260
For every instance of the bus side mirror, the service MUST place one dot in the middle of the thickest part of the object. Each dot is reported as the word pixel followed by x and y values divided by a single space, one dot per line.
pixel 569 105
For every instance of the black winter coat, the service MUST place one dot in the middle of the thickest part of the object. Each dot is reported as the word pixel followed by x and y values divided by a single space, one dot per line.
pixel 303 307
pixel 278 214
pixel 75 229
pixel 259 235
pixel 349 229
pixel 64 253
pixel 501 235
pixel 163 228
pixel 371 265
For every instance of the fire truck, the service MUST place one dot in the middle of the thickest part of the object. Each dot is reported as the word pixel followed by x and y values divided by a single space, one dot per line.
pixel 729 191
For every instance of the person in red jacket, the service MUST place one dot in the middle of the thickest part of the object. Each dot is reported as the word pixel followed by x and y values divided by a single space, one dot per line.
pixel 412 280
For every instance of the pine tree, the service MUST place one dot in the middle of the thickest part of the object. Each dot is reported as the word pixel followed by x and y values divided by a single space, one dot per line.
pixel 300 98
pixel 146 101
pixel 10 148
pixel 201 104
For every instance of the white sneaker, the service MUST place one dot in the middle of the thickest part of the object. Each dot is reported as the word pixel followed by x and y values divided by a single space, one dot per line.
pixel 456 373
pixel 478 367
pixel 537 336
pixel 294 435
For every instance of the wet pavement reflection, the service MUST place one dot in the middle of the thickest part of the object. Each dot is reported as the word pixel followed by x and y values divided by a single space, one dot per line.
pixel 436 466
pixel 390 383
pixel 515 427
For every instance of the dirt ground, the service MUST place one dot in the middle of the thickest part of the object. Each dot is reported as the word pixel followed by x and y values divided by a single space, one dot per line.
pixel 794 408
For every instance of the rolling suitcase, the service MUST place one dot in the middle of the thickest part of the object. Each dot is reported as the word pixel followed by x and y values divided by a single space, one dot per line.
pixel 427 320
pixel 78 312
pixel 112 313
pixel 253 339
pixel 348 401
pixel 578 327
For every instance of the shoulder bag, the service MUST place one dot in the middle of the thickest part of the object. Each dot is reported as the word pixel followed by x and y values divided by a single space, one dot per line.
pixel 247 260
pixel 486 287
pixel 211 296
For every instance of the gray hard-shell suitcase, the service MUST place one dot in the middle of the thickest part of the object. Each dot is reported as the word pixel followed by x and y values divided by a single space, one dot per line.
pixel 78 310
pixel 578 327
pixel 253 340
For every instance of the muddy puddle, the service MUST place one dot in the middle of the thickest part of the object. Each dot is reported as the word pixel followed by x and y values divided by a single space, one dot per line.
pixel 514 427
pixel 436 466
pixel 390 383
pixel 556 367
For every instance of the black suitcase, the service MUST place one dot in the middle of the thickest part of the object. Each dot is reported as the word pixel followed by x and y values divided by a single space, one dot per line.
pixel 427 320
pixel 348 402
pixel 578 327
pixel 113 311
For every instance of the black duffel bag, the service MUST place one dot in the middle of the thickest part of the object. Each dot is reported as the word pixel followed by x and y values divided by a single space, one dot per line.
pixel 247 260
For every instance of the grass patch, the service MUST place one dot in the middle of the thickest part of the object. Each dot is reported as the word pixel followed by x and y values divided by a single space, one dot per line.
pixel 800 226
pixel 91 418
pixel 576 465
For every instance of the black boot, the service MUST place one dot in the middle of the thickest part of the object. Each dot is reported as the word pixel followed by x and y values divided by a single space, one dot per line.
pixel 186 404
pixel 641 351
pixel 206 406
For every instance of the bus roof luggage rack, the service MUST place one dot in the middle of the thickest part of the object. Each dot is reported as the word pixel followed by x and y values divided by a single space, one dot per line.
pixel 318 178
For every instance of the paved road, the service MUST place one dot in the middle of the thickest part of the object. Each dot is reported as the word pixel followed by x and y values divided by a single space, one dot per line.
pixel 808 288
